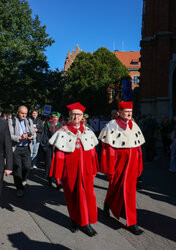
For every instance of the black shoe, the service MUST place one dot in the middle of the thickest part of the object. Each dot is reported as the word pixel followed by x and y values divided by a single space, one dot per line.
pixel 19 193
pixel 73 227
pixel 59 186
pixel 88 230
pixel 135 229
pixel 49 182
pixel 106 210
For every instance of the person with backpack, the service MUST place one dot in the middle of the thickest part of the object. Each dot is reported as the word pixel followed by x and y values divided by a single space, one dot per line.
pixel 22 133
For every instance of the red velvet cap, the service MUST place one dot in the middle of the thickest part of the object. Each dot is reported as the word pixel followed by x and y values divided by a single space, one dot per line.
pixel 76 105
pixel 125 105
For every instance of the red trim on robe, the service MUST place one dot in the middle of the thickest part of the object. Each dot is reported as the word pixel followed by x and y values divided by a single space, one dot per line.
pixel 122 167
pixel 75 130
pixel 122 124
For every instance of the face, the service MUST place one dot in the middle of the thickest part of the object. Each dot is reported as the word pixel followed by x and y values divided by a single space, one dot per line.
pixel 76 116
pixel 55 119
pixel 34 114
pixel 22 113
pixel 126 114
pixel 84 121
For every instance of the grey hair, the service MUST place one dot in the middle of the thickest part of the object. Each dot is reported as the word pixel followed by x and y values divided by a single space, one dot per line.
pixel 22 106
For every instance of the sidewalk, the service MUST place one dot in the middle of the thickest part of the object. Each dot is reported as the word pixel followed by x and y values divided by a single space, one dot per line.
pixel 40 220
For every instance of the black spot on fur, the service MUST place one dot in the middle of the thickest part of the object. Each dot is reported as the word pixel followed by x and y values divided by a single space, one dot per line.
pixel 112 131
pixel 113 142
pixel 138 141
pixel 136 135
pixel 118 135
pixel 123 143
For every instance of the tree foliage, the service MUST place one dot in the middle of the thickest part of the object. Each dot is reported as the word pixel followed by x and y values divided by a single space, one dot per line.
pixel 89 77
pixel 23 64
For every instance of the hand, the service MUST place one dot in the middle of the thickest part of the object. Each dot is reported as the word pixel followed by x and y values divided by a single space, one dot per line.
pixel 7 172
pixel 36 129
pixel 24 135
pixel 31 137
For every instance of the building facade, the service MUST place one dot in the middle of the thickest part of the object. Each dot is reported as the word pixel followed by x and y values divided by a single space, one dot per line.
pixel 158 58
pixel 131 60
pixel 71 57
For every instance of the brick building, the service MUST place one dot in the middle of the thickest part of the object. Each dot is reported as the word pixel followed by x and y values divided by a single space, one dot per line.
pixel 131 60
pixel 71 57
pixel 158 58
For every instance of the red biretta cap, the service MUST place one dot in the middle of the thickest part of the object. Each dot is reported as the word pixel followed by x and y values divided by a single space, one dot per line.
pixel 125 105
pixel 76 105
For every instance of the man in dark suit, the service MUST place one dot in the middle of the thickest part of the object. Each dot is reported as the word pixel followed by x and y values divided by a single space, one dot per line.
pixel 6 155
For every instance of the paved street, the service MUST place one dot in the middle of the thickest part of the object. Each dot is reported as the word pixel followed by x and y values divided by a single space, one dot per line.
pixel 40 220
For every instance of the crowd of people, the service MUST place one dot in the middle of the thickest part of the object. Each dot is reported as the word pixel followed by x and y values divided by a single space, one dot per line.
pixel 72 156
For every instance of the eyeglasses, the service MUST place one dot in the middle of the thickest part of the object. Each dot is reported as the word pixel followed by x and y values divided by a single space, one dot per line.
pixel 129 111
pixel 74 114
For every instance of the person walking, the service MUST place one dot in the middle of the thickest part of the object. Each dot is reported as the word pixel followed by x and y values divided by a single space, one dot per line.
pixel 6 156
pixel 75 163
pixel 121 160
pixel 38 127
pixel 22 133
pixel 50 128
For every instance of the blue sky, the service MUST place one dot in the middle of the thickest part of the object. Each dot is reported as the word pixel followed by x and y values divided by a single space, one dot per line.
pixel 114 24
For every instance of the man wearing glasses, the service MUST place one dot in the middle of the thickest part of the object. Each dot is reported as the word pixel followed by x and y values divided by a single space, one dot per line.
pixel 121 160
pixel 75 163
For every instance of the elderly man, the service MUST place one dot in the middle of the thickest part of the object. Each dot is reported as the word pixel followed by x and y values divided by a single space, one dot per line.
pixel 121 160
pixel 75 164
pixel 22 133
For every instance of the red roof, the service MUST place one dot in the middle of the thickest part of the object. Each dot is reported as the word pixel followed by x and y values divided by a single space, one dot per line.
pixel 130 59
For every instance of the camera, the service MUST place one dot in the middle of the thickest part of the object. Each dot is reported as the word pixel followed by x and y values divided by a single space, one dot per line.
pixel 29 134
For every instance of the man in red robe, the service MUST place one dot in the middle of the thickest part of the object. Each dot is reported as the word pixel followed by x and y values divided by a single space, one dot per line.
pixel 75 163
pixel 121 160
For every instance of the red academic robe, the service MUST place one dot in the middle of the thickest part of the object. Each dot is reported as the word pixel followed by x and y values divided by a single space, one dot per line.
pixel 122 167
pixel 77 170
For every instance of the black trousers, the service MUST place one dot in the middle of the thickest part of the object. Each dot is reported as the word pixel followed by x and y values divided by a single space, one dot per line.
pixel 1 183
pixel 21 165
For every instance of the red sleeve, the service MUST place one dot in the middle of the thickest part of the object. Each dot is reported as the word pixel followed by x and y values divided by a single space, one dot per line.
pixel 95 162
pixel 57 164
pixel 107 159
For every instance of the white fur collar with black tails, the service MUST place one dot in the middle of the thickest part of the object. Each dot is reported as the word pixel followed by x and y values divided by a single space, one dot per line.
pixel 117 137
pixel 66 141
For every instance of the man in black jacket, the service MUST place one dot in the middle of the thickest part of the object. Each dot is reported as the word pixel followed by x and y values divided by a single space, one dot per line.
pixel 38 126
pixel 6 156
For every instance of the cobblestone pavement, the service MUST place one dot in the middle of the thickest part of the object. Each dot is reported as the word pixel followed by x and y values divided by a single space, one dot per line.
pixel 40 220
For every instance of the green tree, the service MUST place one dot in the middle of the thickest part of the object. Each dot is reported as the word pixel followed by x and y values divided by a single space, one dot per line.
pixel 23 64
pixel 89 77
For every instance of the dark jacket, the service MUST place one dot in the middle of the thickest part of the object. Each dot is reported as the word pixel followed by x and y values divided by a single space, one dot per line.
pixel 39 125
pixel 5 147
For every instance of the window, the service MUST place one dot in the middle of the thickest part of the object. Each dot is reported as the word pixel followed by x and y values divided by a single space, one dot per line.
pixel 135 80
